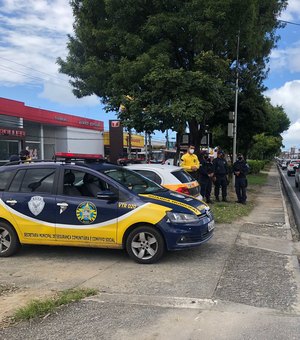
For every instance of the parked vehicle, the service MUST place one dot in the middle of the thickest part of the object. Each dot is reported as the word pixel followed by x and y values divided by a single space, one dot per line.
pixel 291 166
pixel 171 177
pixel 283 164
pixel 65 204
pixel 297 176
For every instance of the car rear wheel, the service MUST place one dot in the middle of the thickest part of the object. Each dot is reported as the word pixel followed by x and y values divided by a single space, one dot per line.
pixel 9 241
pixel 145 245
pixel 296 184
pixel 288 173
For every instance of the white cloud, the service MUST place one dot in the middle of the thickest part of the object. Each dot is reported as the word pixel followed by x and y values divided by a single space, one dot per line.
pixel 291 137
pixel 292 12
pixel 59 93
pixel 286 59
pixel 288 96
pixel 33 34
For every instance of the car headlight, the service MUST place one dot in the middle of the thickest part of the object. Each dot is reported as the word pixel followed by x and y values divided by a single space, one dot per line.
pixel 181 218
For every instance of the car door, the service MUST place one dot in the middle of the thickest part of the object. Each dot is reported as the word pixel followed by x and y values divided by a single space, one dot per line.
pixel 31 201
pixel 81 217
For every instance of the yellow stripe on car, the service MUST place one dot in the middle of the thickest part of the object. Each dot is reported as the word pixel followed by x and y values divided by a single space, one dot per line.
pixel 168 200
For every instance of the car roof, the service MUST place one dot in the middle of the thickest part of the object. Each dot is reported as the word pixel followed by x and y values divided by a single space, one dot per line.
pixel 154 166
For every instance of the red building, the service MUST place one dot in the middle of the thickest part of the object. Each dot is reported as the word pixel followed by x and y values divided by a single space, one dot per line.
pixel 45 132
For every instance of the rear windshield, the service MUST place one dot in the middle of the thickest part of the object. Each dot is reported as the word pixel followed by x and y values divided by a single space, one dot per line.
pixel 133 181
pixel 183 176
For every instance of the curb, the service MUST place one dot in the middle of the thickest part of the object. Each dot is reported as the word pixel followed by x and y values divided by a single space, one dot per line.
pixel 295 203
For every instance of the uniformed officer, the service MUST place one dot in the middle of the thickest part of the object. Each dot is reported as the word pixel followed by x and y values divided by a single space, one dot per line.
pixel 240 170
pixel 205 177
pixel 220 169
pixel 190 162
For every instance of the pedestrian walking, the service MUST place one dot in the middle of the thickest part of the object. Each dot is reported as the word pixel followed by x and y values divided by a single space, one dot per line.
pixel 190 162
pixel 240 170
pixel 205 177
pixel 220 170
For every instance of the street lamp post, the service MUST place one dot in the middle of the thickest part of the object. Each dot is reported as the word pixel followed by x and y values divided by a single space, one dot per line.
pixel 236 99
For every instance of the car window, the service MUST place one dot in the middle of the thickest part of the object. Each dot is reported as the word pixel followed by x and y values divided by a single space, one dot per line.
pixel 4 179
pixel 38 180
pixel 183 176
pixel 16 183
pixel 81 183
pixel 151 175
pixel 133 181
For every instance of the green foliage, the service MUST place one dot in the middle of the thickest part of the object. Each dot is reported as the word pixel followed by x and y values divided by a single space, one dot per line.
pixel 175 58
pixel 265 147
pixel 255 166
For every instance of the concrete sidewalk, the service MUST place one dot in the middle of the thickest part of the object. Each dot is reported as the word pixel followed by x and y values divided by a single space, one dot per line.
pixel 244 284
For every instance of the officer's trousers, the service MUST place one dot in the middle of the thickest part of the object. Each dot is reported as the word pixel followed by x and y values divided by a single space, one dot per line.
pixel 206 185
pixel 240 189
pixel 221 182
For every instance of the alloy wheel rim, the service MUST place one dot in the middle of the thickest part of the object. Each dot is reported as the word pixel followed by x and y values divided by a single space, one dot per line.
pixel 144 245
pixel 5 240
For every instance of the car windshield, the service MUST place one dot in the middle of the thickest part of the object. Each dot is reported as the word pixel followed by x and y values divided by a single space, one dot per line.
pixel 134 181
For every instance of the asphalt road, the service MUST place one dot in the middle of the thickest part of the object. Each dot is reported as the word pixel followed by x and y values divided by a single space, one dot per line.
pixel 291 180
pixel 293 193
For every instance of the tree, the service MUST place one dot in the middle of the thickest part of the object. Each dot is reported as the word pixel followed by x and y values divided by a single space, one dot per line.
pixel 265 147
pixel 176 58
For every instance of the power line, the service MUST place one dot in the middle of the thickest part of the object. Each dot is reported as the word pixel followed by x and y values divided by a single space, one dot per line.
pixel 289 22
pixel 34 69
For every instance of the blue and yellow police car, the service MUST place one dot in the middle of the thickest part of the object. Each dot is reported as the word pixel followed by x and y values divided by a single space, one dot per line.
pixel 104 205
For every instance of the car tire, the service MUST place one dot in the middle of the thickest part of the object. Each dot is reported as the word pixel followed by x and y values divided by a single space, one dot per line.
pixel 145 245
pixel 9 241
pixel 296 184
pixel 288 173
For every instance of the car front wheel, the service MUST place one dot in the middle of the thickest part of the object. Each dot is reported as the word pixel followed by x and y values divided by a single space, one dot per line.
pixel 145 245
pixel 9 242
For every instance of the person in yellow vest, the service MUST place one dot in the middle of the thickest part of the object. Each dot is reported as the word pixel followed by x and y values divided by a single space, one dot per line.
pixel 190 162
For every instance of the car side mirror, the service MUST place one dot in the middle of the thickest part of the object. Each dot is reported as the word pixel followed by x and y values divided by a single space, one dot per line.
pixel 107 195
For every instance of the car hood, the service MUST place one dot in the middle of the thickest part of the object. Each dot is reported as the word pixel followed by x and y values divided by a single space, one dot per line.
pixel 177 202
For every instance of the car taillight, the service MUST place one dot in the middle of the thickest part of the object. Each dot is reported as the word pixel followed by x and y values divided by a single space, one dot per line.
pixel 183 190
pixel 291 164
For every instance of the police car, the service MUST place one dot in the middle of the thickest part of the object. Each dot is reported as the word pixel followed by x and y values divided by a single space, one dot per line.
pixel 65 204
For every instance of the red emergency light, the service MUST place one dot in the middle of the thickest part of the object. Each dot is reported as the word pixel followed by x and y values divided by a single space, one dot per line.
pixel 78 155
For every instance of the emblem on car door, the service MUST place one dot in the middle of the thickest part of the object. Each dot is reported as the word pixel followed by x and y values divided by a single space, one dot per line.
pixel 36 205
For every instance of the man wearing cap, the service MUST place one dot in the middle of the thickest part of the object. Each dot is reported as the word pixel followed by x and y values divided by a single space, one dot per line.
pixel 240 170
pixel 220 170
pixel 190 162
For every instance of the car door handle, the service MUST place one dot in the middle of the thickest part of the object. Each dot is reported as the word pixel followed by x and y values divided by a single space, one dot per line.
pixel 12 202
pixel 63 206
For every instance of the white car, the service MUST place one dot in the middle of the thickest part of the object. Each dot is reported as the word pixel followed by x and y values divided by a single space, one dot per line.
pixel 291 166
pixel 169 176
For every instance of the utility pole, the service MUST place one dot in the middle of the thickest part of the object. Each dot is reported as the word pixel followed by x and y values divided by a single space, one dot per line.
pixel 236 99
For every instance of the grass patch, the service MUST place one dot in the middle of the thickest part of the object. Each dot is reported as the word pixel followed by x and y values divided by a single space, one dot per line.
pixel 229 212
pixel 258 179
pixel 40 308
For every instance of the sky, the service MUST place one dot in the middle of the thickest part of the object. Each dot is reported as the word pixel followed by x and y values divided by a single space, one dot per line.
pixel 33 33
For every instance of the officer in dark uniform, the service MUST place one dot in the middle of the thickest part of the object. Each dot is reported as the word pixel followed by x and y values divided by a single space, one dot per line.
pixel 205 176
pixel 240 170
pixel 220 170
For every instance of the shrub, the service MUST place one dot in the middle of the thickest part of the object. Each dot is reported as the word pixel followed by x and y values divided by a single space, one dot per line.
pixel 256 166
